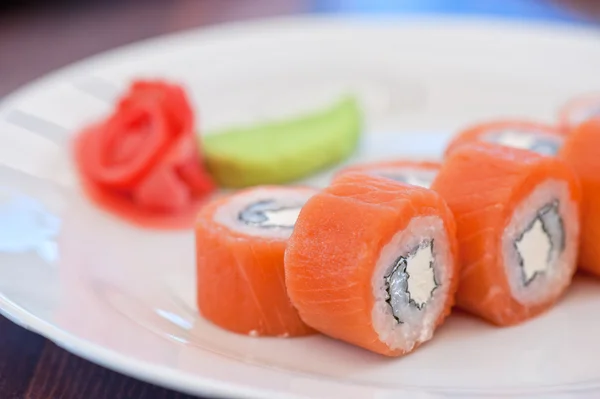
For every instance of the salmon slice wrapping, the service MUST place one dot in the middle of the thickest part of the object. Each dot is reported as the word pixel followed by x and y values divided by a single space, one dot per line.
pixel 517 216
pixel 580 151
pixel 240 244
pixel 372 262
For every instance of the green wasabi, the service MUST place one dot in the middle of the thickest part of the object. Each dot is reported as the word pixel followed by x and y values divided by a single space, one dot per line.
pixel 283 151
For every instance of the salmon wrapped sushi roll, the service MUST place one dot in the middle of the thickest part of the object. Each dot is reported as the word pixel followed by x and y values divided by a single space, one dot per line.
pixel 417 173
pixel 240 243
pixel 517 216
pixel 578 110
pixel 537 137
pixel 373 262
pixel 580 151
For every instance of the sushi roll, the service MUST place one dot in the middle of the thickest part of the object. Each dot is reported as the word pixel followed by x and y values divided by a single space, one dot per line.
pixel 578 110
pixel 417 173
pixel 537 137
pixel 240 244
pixel 580 151
pixel 517 216
pixel 372 262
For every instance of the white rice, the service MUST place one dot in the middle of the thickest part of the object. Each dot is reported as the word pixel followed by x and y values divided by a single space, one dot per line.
pixel 416 325
pixel 533 140
pixel 228 214
pixel 410 175
pixel 562 261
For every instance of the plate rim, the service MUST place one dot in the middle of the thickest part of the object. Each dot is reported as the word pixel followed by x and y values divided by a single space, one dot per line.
pixel 474 20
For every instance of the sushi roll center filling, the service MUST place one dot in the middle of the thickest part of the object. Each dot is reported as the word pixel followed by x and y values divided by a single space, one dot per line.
pixel 540 242
pixel 540 142
pixel 269 214
pixel 411 279
pixel 416 178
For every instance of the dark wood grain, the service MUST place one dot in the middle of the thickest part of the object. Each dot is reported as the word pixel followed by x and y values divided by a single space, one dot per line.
pixel 20 351
pixel 32 367
pixel 33 42
pixel 38 39
pixel 588 9
pixel 61 375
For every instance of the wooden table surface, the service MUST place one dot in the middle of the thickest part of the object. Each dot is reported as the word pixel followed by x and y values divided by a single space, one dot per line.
pixel 40 39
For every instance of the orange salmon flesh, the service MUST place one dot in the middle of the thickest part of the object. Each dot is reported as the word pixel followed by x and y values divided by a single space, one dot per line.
pixel 581 152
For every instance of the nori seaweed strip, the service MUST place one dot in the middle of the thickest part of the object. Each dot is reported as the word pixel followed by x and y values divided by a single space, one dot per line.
pixel 402 263
pixel 254 214
pixel 553 205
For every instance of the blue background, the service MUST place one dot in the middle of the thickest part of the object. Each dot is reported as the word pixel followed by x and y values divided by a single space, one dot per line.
pixel 521 9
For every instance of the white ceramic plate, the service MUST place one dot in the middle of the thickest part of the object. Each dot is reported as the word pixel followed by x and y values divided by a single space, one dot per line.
pixel 124 297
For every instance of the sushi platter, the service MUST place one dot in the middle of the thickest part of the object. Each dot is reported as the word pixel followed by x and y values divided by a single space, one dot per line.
pixel 271 210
